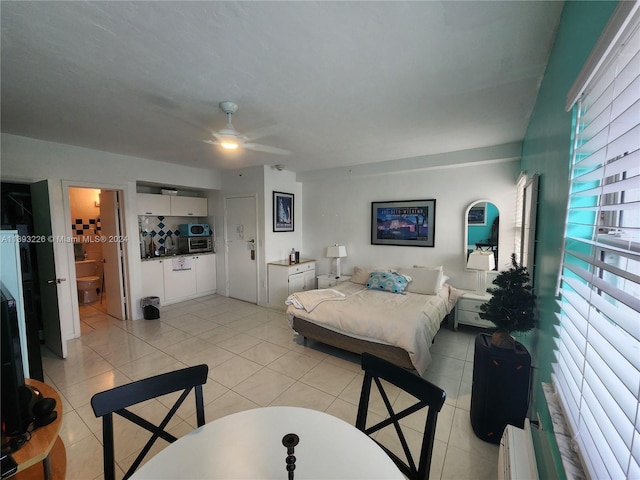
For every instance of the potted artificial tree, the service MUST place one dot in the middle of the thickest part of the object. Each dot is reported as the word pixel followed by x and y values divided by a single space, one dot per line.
pixel 502 366
pixel 512 305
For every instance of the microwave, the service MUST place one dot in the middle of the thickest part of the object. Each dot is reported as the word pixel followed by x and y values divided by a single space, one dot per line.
pixel 194 230
pixel 194 244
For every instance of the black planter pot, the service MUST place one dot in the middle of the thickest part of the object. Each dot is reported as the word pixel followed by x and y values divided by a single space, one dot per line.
pixel 500 390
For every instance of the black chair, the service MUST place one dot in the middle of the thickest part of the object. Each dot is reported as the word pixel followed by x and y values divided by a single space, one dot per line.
pixel 427 396
pixel 116 400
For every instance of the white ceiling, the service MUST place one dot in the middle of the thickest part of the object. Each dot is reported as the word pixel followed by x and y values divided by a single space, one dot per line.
pixel 341 83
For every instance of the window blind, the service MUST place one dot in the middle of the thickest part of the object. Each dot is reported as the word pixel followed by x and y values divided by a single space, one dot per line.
pixel 597 355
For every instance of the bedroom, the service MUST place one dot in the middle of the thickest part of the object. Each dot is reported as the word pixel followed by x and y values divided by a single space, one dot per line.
pixel 322 199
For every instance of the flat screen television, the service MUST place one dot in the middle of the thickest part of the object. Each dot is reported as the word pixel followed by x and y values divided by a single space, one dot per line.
pixel 16 396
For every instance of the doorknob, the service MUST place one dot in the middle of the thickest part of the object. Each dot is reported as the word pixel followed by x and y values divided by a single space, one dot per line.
pixel 57 280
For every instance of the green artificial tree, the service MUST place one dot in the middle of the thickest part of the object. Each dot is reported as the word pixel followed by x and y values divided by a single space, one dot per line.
pixel 512 305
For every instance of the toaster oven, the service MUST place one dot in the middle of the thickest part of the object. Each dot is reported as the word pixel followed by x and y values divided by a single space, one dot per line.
pixel 194 244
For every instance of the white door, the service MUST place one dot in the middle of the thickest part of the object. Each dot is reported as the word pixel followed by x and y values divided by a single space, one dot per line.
pixel 241 248
pixel 113 254
pixel 47 280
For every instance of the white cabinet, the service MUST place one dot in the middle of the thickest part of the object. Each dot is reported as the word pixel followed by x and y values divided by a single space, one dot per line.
pixel 153 279
pixel 171 205
pixel 188 206
pixel 205 273
pixel 174 279
pixel 468 310
pixel 179 280
pixel 151 204
pixel 285 279
pixel 328 280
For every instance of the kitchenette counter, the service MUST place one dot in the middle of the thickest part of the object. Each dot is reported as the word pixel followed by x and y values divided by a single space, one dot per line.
pixel 174 255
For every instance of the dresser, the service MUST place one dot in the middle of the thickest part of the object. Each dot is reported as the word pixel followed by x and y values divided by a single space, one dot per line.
pixel 285 279
pixel 328 280
pixel 468 310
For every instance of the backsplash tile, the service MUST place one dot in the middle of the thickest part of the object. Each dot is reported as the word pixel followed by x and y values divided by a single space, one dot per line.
pixel 90 226
pixel 162 230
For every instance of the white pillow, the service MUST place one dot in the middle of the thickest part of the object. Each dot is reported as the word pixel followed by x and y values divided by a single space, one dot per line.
pixel 361 274
pixel 426 281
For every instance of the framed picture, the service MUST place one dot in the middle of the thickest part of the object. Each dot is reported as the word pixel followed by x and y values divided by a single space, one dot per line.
pixel 282 212
pixel 478 215
pixel 409 223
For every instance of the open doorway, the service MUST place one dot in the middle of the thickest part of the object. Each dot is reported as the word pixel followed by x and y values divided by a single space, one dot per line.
pixel 97 229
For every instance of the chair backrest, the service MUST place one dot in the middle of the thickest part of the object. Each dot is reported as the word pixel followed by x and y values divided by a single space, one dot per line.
pixel 427 396
pixel 116 400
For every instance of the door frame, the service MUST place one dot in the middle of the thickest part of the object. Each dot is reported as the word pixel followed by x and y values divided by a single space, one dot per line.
pixel 226 239
pixel 122 189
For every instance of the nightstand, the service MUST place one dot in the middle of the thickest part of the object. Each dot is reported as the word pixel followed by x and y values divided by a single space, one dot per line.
pixel 468 310
pixel 328 281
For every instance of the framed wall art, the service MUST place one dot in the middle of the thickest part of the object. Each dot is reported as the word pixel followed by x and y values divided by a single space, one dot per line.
pixel 408 223
pixel 478 214
pixel 282 212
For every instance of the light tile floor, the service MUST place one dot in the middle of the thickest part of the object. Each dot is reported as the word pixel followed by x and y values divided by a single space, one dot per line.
pixel 254 360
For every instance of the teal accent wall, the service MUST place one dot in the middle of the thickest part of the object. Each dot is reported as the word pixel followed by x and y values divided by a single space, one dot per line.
pixel 546 151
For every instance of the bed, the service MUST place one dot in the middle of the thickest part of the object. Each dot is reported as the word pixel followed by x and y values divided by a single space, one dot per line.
pixel 399 327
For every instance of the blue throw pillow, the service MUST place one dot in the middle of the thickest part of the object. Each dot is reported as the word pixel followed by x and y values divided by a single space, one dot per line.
pixel 387 281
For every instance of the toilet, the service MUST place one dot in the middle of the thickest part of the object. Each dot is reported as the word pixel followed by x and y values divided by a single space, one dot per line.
pixel 88 282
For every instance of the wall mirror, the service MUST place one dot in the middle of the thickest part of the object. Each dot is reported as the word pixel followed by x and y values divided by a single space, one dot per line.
pixel 481 228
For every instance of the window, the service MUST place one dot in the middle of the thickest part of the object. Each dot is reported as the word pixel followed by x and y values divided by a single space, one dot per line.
pixel 597 369
pixel 526 213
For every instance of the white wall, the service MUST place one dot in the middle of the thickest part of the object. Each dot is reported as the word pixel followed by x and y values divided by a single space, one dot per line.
pixel 339 211
pixel 27 160
pixel 331 206
pixel 279 244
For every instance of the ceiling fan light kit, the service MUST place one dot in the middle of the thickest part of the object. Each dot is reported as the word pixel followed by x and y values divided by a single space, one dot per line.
pixel 230 139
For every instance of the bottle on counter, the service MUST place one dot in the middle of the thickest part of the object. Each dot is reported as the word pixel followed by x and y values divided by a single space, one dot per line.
pixel 292 256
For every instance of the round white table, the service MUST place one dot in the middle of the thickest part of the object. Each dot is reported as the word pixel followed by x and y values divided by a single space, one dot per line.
pixel 248 445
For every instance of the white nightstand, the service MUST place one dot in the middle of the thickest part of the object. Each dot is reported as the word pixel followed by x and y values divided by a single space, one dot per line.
pixel 468 310
pixel 328 281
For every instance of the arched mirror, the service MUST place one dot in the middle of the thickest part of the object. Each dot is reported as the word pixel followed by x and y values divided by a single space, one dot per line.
pixel 481 228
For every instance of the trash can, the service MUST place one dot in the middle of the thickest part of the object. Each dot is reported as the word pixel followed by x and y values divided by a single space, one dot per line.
pixel 150 307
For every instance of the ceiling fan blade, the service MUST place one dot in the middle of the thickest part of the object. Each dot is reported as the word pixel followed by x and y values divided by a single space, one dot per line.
pixel 261 133
pixel 266 149
pixel 211 142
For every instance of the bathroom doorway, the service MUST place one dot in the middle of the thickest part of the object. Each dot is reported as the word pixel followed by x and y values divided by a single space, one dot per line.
pixel 97 224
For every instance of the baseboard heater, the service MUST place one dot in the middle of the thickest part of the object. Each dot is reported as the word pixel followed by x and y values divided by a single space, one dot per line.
pixel 516 457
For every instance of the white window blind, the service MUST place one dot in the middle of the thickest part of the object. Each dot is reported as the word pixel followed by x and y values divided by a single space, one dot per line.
pixel 597 369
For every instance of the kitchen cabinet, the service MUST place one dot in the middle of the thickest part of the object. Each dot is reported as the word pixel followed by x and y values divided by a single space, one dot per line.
pixel 205 273
pixel 179 278
pixel 153 280
pixel 171 205
pixel 151 204
pixel 285 279
pixel 188 206
pixel 468 310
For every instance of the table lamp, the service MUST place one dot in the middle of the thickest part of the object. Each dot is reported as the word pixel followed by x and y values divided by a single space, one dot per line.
pixel 337 252
pixel 482 261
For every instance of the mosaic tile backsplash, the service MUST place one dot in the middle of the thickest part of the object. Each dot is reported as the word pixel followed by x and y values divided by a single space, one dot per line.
pixel 163 231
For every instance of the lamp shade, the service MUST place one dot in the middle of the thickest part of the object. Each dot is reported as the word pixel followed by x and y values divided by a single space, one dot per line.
pixel 481 260
pixel 337 251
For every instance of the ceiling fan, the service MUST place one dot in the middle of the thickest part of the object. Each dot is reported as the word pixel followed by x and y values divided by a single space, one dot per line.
pixel 230 139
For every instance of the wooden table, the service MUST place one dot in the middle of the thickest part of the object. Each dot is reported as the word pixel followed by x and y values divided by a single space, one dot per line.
pixel 248 445
pixel 45 446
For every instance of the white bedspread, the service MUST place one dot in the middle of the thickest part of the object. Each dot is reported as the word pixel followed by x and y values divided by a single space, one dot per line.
pixel 408 321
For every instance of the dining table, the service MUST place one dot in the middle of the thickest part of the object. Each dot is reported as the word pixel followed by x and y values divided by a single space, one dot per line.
pixel 257 444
